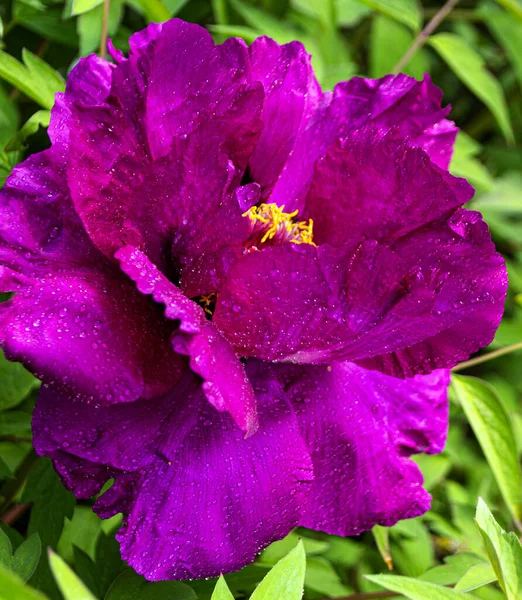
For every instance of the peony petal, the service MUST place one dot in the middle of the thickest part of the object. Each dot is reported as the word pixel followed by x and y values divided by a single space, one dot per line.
pixel 375 185
pixel 310 304
pixel 398 102
pixel 292 96
pixel 76 320
pixel 198 499
pixel 226 384
pixel 359 427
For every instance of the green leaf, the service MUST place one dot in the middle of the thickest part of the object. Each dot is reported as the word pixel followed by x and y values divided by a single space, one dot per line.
pixel 504 552
pixel 221 591
pixel 68 582
pixel 321 577
pixel 6 550
pixel 15 422
pixel 52 502
pixel 35 78
pixel 13 588
pixel 30 127
pixel 508 32
pixel 388 43
pixel 514 6
pixel 382 542
pixel 476 577
pixel 17 382
pixel 83 6
pixel 278 550
pixel 26 557
pixel 286 580
pixel 492 427
pixel 5 471
pixel 131 586
pixel 464 164
pixel 469 67
pixel 153 10
pixel 350 12
pixel 434 468
pixel 82 531
pixel 417 590
pixel 403 11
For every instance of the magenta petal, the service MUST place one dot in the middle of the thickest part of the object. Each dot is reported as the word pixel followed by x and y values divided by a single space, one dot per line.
pixel 226 384
pixel 359 427
pixel 374 185
pixel 311 305
pixel 76 320
pixel 398 102
pixel 292 96
pixel 198 499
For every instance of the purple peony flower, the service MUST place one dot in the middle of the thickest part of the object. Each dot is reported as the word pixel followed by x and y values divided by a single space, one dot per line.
pixel 242 294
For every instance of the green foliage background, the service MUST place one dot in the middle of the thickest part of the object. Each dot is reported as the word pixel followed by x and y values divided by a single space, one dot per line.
pixel 475 56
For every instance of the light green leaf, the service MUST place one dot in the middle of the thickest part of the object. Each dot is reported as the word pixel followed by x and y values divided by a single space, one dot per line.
pixel 434 468
pixel 417 590
pixel 382 542
pixel 30 127
pixel 26 557
pixel 508 32
pixel 131 586
pixel 504 552
pixel 13 588
pixel 464 164
pixel 153 10
pixel 350 12
pixel 35 78
pixel 83 6
pixel 17 382
pixel 476 577
pixel 221 591
pixel 514 6
pixel 286 580
pixel 492 426
pixel 68 582
pixel 278 550
pixel 404 11
pixel 469 67
pixel 388 43
pixel 321 577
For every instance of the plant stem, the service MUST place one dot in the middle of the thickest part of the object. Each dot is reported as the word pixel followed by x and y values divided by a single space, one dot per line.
pixel 486 357
pixel 12 515
pixel 420 40
pixel 105 27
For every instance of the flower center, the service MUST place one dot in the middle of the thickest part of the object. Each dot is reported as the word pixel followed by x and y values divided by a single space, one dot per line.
pixel 271 225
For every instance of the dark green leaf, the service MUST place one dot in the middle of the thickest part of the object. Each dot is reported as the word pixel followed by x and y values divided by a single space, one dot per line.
pixel 131 586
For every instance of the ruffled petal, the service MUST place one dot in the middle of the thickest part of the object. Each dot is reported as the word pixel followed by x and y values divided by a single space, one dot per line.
pixel 375 185
pixel 292 96
pixel 398 102
pixel 156 161
pixel 226 384
pixel 198 499
pixel 308 304
pixel 360 426
pixel 76 320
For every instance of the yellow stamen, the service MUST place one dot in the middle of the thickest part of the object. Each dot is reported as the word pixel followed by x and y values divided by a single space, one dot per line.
pixel 206 301
pixel 278 221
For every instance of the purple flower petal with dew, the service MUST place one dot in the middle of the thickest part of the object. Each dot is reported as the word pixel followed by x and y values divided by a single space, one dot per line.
pixel 242 294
